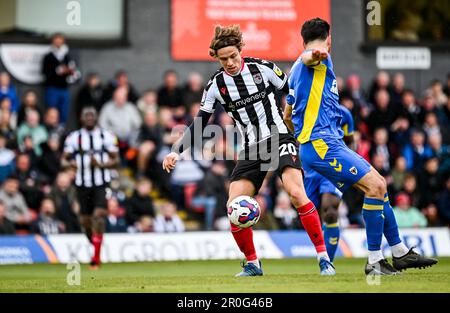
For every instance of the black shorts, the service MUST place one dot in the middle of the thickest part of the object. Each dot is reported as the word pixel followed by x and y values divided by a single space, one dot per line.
pixel 281 153
pixel 91 198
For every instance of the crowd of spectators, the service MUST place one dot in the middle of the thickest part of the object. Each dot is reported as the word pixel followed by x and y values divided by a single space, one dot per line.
pixel 405 135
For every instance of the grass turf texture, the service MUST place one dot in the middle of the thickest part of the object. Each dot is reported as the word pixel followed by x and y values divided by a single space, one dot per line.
pixel 288 275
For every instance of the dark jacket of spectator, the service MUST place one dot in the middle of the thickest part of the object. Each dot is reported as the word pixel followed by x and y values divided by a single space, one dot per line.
pixel 171 98
pixel 49 163
pixel 137 206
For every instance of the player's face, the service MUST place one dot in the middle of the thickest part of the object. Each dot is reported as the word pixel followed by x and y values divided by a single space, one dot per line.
pixel 89 120
pixel 230 59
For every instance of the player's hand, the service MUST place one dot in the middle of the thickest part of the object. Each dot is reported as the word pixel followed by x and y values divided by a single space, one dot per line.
pixel 95 163
pixel 73 164
pixel 169 161
pixel 319 55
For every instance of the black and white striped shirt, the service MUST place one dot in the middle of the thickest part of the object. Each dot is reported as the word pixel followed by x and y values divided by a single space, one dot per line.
pixel 82 144
pixel 248 98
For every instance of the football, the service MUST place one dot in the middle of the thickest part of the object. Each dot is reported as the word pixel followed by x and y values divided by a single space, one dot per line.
pixel 244 211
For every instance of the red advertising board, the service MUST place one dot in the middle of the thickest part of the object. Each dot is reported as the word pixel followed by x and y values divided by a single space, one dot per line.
pixel 271 28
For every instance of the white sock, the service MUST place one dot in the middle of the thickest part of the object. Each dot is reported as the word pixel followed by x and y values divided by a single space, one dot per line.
pixel 323 255
pixel 399 250
pixel 254 262
pixel 375 256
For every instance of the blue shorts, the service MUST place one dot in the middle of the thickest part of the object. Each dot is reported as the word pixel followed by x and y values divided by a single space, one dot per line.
pixel 316 185
pixel 335 161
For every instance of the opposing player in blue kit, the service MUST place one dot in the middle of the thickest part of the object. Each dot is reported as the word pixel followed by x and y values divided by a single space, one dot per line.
pixel 325 195
pixel 314 112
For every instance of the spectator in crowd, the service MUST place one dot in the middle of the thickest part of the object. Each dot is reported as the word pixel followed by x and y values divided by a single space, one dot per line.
pixel 193 90
pixel 380 147
pixel 143 225
pixel 381 82
pixel 49 163
pixel 7 162
pixel 32 128
pixel 211 193
pixel 16 208
pixel 64 196
pixel 431 125
pixel 168 220
pixel 46 223
pixel 170 94
pixel 148 101
pixel 416 151
pixel 7 131
pixel 407 215
pixel 410 108
pixel 115 222
pixel 399 173
pixel 410 188
pixel 283 212
pixel 441 151
pixel 398 88
pixel 140 203
pixel 120 116
pixel 444 204
pixel 8 90
pixel 148 142
pixel 362 145
pixel 90 94
pixel 431 181
pixel 383 114
pixel 58 68
pixel 358 96
pixel 29 181
pixel 5 106
pixel 447 86
pixel 6 226
pixel 120 80
pixel 400 131
pixel 437 93
pixel 29 102
pixel 51 123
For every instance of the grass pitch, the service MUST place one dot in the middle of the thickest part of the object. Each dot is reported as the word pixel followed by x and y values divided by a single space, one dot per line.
pixel 288 275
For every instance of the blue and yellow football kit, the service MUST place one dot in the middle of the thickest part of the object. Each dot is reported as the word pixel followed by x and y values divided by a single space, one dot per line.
pixel 317 118
pixel 316 184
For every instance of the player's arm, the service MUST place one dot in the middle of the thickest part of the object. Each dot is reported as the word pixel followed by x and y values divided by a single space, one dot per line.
pixel 208 104
pixel 348 127
pixel 313 57
pixel 67 160
pixel 287 117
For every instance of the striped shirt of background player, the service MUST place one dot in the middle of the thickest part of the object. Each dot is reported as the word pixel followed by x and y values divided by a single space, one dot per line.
pixel 255 117
pixel 82 144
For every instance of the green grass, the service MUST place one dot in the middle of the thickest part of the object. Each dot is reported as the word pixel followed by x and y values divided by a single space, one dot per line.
pixel 289 275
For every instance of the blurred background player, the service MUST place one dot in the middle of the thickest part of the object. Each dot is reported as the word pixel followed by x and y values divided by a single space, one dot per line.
pixel 314 109
pixel 244 87
pixel 325 195
pixel 93 152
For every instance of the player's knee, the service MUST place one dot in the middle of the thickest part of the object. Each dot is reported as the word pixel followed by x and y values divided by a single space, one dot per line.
pixel 331 215
pixel 378 188
pixel 297 196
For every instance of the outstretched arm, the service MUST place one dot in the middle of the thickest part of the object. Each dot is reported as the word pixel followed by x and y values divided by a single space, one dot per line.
pixel 313 57
pixel 186 141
